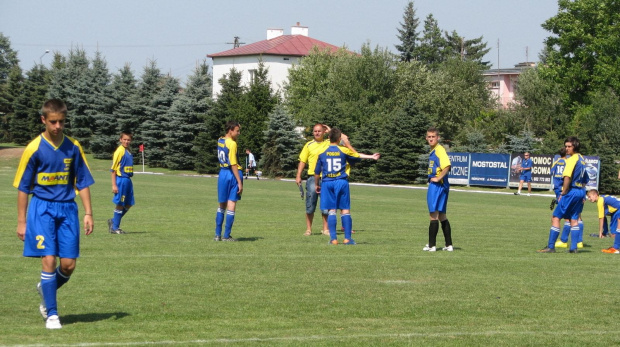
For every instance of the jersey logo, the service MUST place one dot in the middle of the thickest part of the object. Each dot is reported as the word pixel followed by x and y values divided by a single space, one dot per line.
pixel 67 162
pixel 128 169
pixel 52 178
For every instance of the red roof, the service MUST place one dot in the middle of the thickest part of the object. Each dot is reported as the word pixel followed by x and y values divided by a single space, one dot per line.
pixel 290 45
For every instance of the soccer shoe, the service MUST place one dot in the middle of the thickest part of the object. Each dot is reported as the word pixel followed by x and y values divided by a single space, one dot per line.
pixel 333 242
pixel 217 238
pixel 517 193
pixel 448 248
pixel 572 251
pixel 429 249
pixel 579 244
pixel 350 242
pixel 560 244
pixel 42 308
pixel 53 322
pixel 528 194
pixel 611 250
pixel 229 239
pixel 119 231
pixel 110 229
pixel 546 250
pixel 552 206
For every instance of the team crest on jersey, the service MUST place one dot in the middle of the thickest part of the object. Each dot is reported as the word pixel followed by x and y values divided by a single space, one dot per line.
pixel 67 162
pixel 52 178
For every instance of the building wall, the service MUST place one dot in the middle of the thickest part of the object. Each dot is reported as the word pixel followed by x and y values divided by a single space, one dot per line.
pixel 278 69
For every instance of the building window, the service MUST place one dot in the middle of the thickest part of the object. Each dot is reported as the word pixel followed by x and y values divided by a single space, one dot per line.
pixel 494 85
pixel 252 75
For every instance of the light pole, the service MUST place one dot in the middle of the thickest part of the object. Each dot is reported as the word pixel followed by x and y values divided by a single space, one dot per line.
pixel 41 57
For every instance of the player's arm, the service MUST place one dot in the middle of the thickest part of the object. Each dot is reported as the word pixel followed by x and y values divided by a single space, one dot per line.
pixel 300 169
pixel 344 139
pixel 22 207
pixel 114 186
pixel 88 210
pixel 235 172
pixel 566 185
pixel 374 156
pixel 444 171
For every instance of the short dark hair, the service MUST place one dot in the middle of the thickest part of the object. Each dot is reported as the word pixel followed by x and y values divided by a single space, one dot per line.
pixel 126 132
pixel 592 191
pixel 575 142
pixel 54 106
pixel 433 130
pixel 562 152
pixel 231 125
pixel 334 135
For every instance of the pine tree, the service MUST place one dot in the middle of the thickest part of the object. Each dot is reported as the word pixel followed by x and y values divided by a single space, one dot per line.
pixel 152 130
pixel 408 34
pixel 104 130
pixel 432 43
pixel 9 93
pixel 470 50
pixel 281 145
pixel 8 63
pixel 25 123
pixel 185 122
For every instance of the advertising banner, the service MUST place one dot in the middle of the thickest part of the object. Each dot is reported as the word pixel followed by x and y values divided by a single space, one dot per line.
pixel 541 170
pixel 593 167
pixel 489 169
pixel 459 171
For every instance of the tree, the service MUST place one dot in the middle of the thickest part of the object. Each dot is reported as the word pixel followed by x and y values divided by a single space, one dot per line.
pixel 8 94
pixel 281 145
pixel 524 142
pixel 583 55
pixel 8 65
pixel 408 34
pixel 432 44
pixel 25 122
pixel 466 50
pixel 185 121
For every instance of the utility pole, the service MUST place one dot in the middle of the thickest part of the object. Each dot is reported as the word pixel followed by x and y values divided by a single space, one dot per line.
pixel 236 42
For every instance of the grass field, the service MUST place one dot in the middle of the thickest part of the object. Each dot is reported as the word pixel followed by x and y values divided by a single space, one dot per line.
pixel 167 283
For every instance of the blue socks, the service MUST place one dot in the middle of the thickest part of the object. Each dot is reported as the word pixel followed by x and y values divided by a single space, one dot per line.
pixel 49 287
pixel 347 224
pixel 61 278
pixel 565 232
pixel 580 235
pixel 553 236
pixel 116 219
pixel 230 219
pixel 331 223
pixel 574 237
pixel 219 220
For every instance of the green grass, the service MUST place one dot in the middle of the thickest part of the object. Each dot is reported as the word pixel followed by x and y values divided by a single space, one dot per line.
pixel 168 283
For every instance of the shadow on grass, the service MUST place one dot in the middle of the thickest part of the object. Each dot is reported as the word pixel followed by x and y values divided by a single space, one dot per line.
pixel 92 317
pixel 249 239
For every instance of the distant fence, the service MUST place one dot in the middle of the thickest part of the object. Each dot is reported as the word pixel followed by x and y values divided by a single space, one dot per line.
pixel 500 170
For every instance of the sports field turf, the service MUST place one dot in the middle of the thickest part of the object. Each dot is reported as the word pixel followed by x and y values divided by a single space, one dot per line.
pixel 167 282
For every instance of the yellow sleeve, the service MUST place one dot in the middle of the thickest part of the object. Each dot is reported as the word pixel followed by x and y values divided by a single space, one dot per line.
pixel 28 152
pixel 303 156
pixel 601 207
pixel 444 160
pixel 116 160
pixel 232 152
pixel 570 165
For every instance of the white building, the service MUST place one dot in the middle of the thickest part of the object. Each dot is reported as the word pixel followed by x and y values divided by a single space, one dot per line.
pixel 278 52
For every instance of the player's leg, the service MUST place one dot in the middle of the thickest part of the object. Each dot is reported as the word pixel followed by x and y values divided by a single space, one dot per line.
pixel 529 187
pixel 433 202
pixel 554 232
pixel 48 285
pixel 230 219
pixel 329 203
pixel 580 235
pixel 563 241
pixel 311 200
pixel 447 231
pixel 332 222
pixel 223 188
pixel 518 192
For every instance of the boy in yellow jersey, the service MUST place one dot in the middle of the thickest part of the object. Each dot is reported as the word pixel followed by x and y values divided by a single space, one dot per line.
pixel 607 205
pixel 229 181
pixel 122 187
pixel 53 168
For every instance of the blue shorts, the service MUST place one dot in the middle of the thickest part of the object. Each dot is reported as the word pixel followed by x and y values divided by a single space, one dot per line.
pixel 335 195
pixel 526 176
pixel 437 197
pixel 52 228
pixel 557 193
pixel 311 196
pixel 613 224
pixel 570 205
pixel 227 186
pixel 124 197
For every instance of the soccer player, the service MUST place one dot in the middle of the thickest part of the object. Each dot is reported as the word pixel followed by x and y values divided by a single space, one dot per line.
pixel 251 164
pixel 229 181
pixel 607 205
pixel 438 190
pixel 526 174
pixel 570 202
pixel 52 168
pixel 122 187
pixel 330 170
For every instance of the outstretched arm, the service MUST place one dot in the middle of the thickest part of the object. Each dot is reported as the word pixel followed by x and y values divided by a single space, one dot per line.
pixel 374 156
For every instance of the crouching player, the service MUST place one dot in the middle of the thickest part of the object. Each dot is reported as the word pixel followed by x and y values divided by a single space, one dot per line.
pixel 332 166
pixel 607 205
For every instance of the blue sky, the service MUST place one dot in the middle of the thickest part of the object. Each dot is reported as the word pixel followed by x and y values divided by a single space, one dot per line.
pixel 178 34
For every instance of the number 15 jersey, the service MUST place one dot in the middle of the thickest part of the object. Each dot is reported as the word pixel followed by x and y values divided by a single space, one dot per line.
pixel 333 162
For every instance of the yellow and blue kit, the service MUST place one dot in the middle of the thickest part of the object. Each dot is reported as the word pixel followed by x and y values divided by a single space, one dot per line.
pixel 557 178
pixel 52 175
pixel 122 165
pixel 227 186
pixel 437 194
pixel 309 156
pixel 570 205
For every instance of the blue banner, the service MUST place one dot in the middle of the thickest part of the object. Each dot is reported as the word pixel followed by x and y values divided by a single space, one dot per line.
pixel 459 170
pixel 489 169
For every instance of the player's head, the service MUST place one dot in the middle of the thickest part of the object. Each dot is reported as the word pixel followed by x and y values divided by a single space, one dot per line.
pixel 233 129
pixel 572 145
pixel 592 195
pixel 125 138
pixel 526 155
pixel 562 152
pixel 334 135
pixel 53 116
pixel 318 130
pixel 432 136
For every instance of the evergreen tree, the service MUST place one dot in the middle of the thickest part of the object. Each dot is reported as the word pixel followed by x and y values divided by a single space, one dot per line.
pixel 228 106
pixel 185 121
pixel 125 90
pixel 432 43
pixel 466 50
pixel 524 142
pixel 95 90
pixel 281 145
pixel 261 101
pixel 408 34
pixel 152 130
pixel 8 63
pixel 8 94
pixel 25 123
